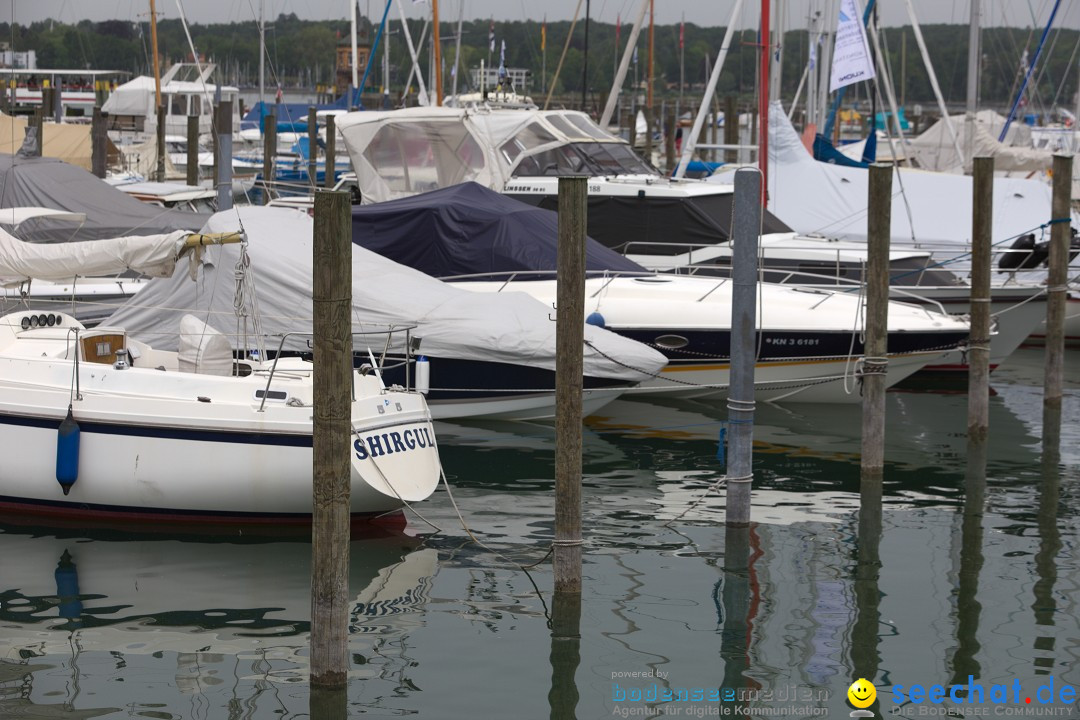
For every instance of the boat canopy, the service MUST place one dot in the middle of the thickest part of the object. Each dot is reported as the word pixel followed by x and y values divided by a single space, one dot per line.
pixel 404 152
pixel 451 323
pixel 51 183
pixel 466 229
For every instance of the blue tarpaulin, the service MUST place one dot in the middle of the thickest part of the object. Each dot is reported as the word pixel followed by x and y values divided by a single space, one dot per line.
pixel 466 229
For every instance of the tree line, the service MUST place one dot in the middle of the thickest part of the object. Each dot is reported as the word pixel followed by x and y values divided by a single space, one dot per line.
pixel 301 53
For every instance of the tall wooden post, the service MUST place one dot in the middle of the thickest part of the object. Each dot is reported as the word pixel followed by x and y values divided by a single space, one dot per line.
pixel 269 153
pixel 313 147
pixel 1057 284
pixel 670 121
pixel 38 122
pixel 99 145
pixel 159 167
pixel 979 343
pixel 631 128
pixel 332 296
pixel 731 128
pixel 193 150
pixel 224 144
pixel 569 336
pixel 740 404
pixel 331 152
pixel 876 361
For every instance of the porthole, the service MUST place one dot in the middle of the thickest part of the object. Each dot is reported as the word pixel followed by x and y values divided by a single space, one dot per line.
pixel 671 342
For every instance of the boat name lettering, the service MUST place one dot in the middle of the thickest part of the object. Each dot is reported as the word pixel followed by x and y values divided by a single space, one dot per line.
pixel 793 342
pixel 388 443
pixel 524 188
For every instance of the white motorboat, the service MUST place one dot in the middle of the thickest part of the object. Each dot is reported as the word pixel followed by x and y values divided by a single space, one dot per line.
pixel 182 434
pixel 810 345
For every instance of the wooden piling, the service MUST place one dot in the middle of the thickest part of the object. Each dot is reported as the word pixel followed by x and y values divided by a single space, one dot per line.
pixel 269 153
pixel 740 404
pixel 631 128
pixel 569 334
pixel 193 150
pixel 159 166
pixel 313 147
pixel 331 151
pixel 979 343
pixel 332 356
pixel 99 144
pixel 1057 283
pixel 875 360
pixel 731 128
pixel 38 122
pixel 224 144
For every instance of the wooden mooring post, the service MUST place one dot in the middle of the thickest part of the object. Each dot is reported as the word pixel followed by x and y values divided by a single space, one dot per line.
pixel 731 128
pixel 740 404
pixel 569 334
pixel 978 354
pixel 99 142
pixel 1057 284
pixel 192 149
pixel 331 151
pixel 332 356
pixel 875 349
pixel 269 153
pixel 37 121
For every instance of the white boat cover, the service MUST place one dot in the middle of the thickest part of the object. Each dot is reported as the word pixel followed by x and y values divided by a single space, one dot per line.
pixel 508 328
pixel 403 152
pixel 929 210
pixel 935 150
pixel 153 255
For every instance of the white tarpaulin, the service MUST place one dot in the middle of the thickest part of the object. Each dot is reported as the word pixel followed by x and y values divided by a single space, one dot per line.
pixel 934 150
pixel 153 255
pixel 851 57
pixel 508 328
pixel 928 209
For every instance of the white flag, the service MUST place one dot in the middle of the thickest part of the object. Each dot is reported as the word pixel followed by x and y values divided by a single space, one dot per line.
pixel 851 58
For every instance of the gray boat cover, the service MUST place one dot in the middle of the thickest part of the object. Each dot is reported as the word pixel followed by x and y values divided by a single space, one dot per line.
pixel 508 328
pixel 52 183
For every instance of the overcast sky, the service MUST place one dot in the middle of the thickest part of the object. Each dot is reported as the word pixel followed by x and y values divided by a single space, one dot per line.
pixel 1023 13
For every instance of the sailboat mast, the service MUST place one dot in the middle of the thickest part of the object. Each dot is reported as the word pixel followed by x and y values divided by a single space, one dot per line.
pixel 585 63
pixel 648 90
pixel 437 53
pixel 763 103
pixel 973 60
pixel 352 38
pixel 153 47
pixel 262 54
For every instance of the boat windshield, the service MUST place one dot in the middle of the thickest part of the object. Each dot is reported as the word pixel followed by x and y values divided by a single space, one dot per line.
pixel 593 158
pixel 418 157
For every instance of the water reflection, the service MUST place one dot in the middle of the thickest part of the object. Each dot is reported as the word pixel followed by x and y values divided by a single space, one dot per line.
pixel 565 655
pixel 225 621
pixel 865 632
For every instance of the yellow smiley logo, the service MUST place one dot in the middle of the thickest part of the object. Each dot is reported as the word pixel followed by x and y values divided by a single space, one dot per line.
pixel 861 694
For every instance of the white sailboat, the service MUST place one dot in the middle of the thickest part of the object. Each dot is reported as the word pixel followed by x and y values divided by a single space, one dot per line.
pixel 189 435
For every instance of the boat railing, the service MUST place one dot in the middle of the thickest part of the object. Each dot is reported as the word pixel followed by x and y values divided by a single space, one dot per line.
pixel 378 367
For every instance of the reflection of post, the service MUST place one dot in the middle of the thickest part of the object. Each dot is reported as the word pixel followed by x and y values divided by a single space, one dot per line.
pixel 328 703
pixel 565 654
pixel 735 602
pixel 1045 607
pixel 968 607
pixel 864 633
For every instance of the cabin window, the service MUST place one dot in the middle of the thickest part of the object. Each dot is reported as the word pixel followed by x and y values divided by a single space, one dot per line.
pixel 178 105
pixel 563 126
pixel 424 156
pixel 588 127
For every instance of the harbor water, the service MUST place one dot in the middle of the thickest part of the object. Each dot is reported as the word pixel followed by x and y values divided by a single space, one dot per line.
pixel 962 579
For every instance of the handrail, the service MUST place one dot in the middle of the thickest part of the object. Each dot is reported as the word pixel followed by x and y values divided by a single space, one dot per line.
pixel 388 332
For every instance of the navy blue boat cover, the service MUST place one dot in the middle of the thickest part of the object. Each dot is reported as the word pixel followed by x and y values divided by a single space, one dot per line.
pixel 466 229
